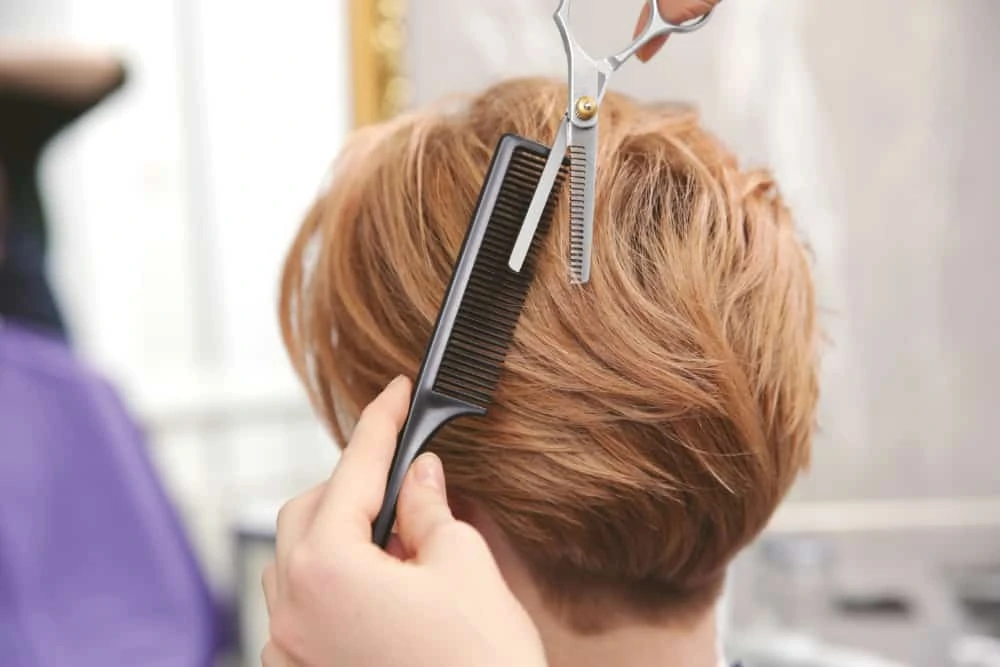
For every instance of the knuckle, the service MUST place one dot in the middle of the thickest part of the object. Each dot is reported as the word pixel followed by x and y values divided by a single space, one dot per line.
pixel 461 536
pixel 373 413
pixel 267 576
pixel 282 634
pixel 286 513
pixel 308 570
pixel 378 421
pixel 303 567
pixel 267 655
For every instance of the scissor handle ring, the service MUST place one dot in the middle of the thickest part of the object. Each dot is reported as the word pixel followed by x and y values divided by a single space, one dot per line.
pixel 658 23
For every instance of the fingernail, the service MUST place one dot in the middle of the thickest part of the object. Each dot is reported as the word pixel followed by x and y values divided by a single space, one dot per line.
pixel 429 472
pixel 641 23
pixel 395 381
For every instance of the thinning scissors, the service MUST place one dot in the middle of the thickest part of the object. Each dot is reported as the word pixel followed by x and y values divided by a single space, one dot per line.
pixel 588 81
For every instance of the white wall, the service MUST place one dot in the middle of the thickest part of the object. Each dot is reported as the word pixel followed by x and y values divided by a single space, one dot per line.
pixel 886 146
pixel 172 207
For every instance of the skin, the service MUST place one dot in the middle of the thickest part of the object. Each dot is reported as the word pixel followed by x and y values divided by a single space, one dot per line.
pixel 436 599
pixel 61 73
pixel 675 11
pixel 446 592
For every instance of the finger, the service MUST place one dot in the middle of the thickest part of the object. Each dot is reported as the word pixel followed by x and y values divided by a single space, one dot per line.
pixel 396 549
pixel 423 504
pixel 674 11
pixel 649 49
pixel 271 656
pixel 682 11
pixel 353 495
pixel 269 582
pixel 294 519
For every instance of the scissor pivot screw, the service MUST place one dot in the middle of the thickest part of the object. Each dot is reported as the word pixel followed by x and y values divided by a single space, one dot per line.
pixel 586 108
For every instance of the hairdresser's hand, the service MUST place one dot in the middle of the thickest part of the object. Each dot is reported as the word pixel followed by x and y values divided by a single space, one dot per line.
pixel 675 11
pixel 437 601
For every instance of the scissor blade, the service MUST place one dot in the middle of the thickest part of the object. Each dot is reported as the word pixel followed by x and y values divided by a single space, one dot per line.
pixel 539 200
pixel 581 197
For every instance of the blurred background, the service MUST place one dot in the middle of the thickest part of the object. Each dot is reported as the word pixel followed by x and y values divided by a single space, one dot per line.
pixel 170 197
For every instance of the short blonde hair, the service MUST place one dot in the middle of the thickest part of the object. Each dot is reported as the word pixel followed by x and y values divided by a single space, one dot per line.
pixel 645 426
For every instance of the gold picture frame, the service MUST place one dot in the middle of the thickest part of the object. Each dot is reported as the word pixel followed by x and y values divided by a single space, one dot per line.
pixel 379 83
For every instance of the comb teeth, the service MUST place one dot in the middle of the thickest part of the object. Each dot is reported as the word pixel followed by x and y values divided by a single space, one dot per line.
pixel 494 296
pixel 577 206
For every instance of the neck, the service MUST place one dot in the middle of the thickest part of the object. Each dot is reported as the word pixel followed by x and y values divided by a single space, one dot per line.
pixel 691 643
pixel 632 645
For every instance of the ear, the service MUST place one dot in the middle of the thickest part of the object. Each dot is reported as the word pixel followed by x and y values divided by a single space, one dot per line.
pixel 472 513
pixel 513 567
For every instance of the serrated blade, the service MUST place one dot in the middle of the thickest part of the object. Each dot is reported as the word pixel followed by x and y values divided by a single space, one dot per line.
pixel 581 202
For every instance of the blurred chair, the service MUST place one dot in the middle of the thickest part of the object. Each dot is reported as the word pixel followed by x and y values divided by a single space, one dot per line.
pixel 95 568
pixel 43 90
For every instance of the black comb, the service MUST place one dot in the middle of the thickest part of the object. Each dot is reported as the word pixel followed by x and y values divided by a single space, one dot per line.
pixel 475 326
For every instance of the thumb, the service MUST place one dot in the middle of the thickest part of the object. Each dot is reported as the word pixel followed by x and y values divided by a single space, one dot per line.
pixel 422 508
pixel 650 48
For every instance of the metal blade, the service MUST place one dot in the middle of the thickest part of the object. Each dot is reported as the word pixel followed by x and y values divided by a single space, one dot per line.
pixel 541 197
pixel 582 172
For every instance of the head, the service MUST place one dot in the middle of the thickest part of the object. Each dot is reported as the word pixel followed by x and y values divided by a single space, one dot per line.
pixel 646 425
